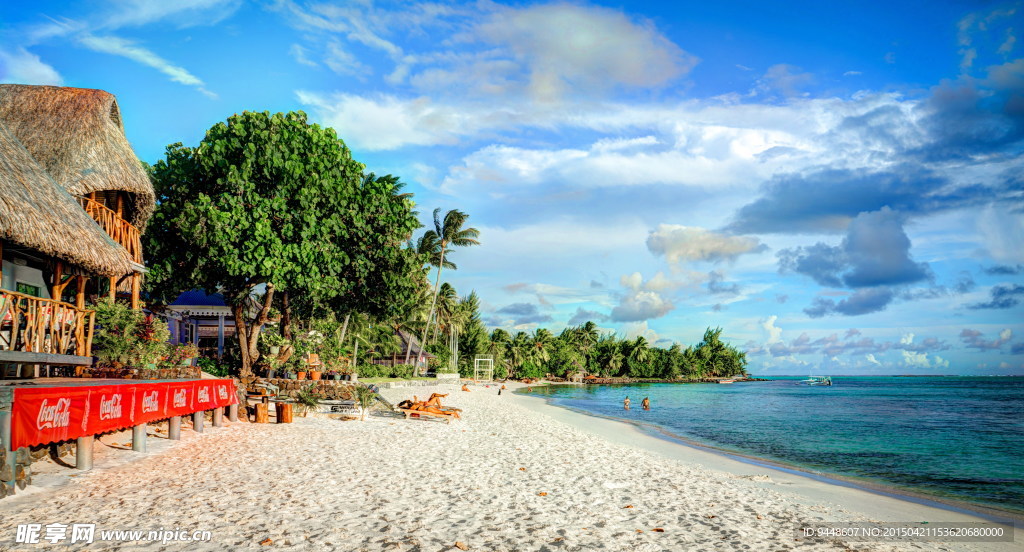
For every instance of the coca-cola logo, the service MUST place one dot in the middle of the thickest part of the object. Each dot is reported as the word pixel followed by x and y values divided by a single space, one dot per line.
pixel 110 408
pixel 54 415
pixel 222 392
pixel 180 398
pixel 204 395
pixel 151 401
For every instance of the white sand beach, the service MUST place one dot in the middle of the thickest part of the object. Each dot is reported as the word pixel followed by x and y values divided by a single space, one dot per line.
pixel 513 474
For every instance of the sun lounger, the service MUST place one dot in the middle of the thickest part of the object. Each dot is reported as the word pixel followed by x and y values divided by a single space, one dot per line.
pixel 409 413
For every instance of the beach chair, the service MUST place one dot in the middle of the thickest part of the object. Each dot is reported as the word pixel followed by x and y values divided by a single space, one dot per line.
pixel 424 415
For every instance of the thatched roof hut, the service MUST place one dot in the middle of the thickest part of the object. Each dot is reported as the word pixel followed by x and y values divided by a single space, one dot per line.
pixel 76 134
pixel 37 213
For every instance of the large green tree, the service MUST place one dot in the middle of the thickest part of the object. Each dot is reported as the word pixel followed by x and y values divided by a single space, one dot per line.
pixel 271 201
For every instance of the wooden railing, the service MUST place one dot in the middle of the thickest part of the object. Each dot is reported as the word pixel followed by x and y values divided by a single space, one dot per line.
pixel 35 325
pixel 119 229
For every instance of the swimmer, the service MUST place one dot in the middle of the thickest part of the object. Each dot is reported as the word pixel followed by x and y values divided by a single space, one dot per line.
pixel 625 404
pixel 646 403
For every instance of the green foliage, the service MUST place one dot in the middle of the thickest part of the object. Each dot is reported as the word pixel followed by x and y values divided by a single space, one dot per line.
pixel 401 371
pixel 210 366
pixel 307 400
pixel 128 337
pixel 272 199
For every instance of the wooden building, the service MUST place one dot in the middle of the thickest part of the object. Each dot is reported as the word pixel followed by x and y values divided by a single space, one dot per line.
pixel 74 200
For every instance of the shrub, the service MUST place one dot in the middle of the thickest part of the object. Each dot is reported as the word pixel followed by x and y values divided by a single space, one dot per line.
pixel 128 337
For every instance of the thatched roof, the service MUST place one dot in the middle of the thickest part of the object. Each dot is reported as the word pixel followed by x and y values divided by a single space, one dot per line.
pixel 36 212
pixel 77 136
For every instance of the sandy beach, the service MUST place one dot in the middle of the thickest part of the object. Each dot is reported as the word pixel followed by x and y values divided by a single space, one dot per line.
pixel 513 474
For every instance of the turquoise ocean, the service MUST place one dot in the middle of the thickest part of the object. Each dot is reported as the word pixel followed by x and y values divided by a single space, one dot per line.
pixel 953 438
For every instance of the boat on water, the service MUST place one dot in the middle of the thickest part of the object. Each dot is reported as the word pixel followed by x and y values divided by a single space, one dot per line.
pixel 816 380
pixel 727 380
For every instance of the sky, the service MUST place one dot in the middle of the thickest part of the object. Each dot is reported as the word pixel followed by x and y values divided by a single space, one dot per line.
pixel 839 187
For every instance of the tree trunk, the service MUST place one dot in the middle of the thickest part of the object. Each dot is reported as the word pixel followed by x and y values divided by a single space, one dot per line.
pixel 238 310
pixel 248 335
pixel 344 328
pixel 286 317
pixel 408 348
pixel 433 303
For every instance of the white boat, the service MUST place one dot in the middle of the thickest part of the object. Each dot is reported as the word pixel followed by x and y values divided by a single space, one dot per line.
pixel 816 380
pixel 727 380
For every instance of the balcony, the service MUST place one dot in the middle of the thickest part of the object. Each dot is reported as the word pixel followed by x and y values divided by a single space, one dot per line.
pixel 33 329
pixel 119 229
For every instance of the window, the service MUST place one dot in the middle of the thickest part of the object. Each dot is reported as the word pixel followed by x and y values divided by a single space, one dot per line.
pixel 27 289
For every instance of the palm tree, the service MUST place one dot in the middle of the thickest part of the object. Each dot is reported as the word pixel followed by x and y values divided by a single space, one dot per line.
pixel 639 350
pixel 450 233
pixel 446 309
pixel 540 347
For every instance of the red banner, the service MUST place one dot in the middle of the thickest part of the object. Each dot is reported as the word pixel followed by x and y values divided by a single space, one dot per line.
pixel 50 414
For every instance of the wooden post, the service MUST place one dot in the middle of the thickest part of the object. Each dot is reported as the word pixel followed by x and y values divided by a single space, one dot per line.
pixel 284 413
pixel 1 263
pixel 233 413
pixel 197 421
pixel 218 416
pixel 220 336
pixel 262 413
pixel 112 292
pixel 80 292
pixel 136 280
pixel 58 275
pixel 92 328
pixel 9 460
pixel 83 453
pixel 139 438
pixel 174 428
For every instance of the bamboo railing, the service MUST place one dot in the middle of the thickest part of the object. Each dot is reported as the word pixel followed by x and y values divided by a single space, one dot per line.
pixel 36 325
pixel 119 229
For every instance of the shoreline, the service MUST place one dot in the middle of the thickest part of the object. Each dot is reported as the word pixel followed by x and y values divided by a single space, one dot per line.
pixel 987 513
pixel 663 442
pixel 513 474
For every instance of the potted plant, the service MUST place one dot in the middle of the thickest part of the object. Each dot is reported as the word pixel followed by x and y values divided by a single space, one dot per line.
pixel 333 375
pixel 306 400
pixel 274 341
pixel 365 397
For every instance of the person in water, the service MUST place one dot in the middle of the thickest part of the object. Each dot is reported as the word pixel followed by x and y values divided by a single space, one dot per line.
pixel 625 403
pixel 646 403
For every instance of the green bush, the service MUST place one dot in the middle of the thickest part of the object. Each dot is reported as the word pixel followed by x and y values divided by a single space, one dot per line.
pixel 128 337
pixel 403 371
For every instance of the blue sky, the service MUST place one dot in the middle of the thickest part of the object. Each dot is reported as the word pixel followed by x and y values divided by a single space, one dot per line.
pixel 840 187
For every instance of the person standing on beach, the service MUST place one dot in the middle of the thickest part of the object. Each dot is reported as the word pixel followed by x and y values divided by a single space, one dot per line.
pixel 646 403
pixel 625 403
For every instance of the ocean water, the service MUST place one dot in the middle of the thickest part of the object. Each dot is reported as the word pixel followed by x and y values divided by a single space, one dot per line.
pixel 959 438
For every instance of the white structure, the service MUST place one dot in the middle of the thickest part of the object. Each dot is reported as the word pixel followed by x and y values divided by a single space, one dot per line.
pixel 483 368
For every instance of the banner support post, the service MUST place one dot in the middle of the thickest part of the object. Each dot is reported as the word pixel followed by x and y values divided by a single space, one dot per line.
pixel 139 438
pixel 83 453
pixel 198 418
pixel 233 412
pixel 218 416
pixel 174 428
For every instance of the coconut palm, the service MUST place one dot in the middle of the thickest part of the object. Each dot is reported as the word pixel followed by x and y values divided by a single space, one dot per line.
pixel 450 233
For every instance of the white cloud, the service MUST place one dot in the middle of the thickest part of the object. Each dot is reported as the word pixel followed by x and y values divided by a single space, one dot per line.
pixel 385 122
pixel 907 339
pixel 774 332
pixel 871 358
pixel 686 243
pixel 1003 233
pixel 120 47
pixel 300 54
pixel 638 305
pixel 567 47
pixel 921 360
pixel 633 330
pixel 342 62
pixel 24 67
pixel 183 13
